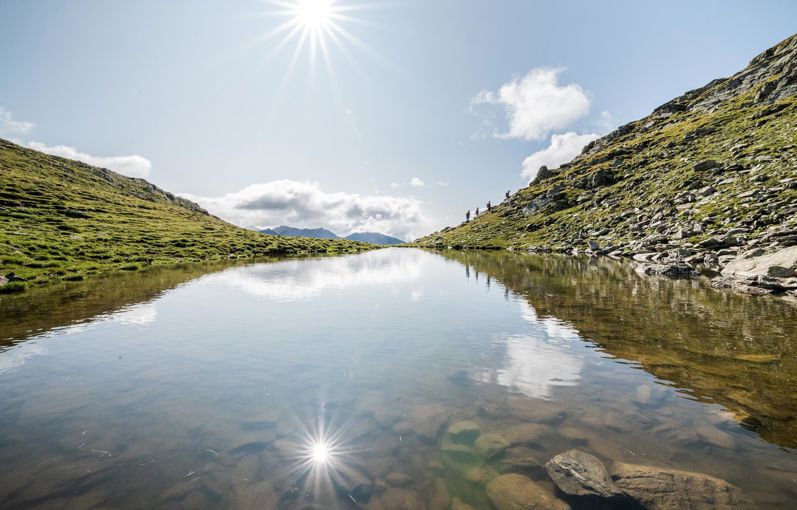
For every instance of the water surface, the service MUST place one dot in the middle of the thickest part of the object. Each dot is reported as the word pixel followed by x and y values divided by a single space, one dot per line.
pixel 296 384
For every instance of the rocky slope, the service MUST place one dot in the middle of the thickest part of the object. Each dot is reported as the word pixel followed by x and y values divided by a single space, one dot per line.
pixel 703 179
pixel 64 220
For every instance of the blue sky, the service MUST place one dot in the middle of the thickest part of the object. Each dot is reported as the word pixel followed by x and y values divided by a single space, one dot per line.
pixel 214 109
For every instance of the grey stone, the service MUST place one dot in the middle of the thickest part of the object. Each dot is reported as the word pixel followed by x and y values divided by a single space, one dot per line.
pixel 669 489
pixel 580 474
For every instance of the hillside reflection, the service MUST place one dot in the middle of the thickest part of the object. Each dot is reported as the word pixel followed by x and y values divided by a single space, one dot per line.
pixel 734 350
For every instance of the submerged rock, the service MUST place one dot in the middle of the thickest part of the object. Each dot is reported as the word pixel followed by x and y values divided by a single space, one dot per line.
pixel 580 474
pixel 458 504
pixel 521 460
pixel 491 444
pixel 402 499
pixel 464 431
pixel 516 492
pixel 426 420
pixel 669 489
pixel 440 499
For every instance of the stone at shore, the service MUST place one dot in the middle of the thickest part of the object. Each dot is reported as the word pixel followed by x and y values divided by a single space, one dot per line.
pixel 670 489
pixel 760 272
pixel 580 474
pixel 517 492
pixel 754 263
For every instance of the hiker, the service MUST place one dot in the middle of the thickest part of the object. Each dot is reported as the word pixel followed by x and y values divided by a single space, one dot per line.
pixel 477 211
pixel 489 206
pixel 507 195
pixel 467 216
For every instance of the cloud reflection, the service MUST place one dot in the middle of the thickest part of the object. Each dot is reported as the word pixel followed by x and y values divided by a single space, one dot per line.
pixel 536 363
pixel 297 280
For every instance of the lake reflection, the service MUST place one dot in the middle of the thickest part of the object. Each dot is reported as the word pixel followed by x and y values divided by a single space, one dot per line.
pixel 330 383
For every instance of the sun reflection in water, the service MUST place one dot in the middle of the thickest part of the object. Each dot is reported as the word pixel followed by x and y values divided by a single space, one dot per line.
pixel 324 466
pixel 320 453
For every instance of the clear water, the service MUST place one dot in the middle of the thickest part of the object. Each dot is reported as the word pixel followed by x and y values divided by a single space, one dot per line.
pixel 309 384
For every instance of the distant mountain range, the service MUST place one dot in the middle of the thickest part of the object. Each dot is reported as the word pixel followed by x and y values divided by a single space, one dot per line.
pixel 318 233
pixel 322 233
pixel 373 238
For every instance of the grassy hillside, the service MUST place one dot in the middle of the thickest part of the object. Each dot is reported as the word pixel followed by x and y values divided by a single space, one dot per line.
pixel 716 166
pixel 64 220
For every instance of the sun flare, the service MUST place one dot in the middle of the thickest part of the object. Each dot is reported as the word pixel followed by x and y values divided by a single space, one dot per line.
pixel 316 24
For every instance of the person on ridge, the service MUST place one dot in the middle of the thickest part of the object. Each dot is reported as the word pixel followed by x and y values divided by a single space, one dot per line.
pixel 467 216
pixel 507 195
pixel 489 206
pixel 477 211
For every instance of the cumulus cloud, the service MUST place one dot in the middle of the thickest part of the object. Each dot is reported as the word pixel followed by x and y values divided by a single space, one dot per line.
pixel 306 205
pixel 562 149
pixel 537 104
pixel 132 166
pixel 9 126
pixel 416 183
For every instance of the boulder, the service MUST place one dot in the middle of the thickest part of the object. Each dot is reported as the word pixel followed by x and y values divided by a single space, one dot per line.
pixel 670 489
pixel 707 164
pixel 542 174
pixel 601 178
pixel 580 474
pixel 516 492
pixel 757 262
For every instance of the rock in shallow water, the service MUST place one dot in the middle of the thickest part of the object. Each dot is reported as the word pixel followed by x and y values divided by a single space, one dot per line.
pixel 516 492
pixel 670 489
pixel 581 474
pixel 491 444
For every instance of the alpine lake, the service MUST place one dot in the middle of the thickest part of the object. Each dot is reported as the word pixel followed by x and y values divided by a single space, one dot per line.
pixel 396 379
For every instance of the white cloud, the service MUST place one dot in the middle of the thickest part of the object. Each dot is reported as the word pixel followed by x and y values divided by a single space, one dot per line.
pixel 10 126
pixel 416 183
pixel 132 166
pixel 537 104
pixel 562 149
pixel 306 205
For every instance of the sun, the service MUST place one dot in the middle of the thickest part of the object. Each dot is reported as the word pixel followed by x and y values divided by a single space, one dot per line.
pixel 315 24
pixel 314 15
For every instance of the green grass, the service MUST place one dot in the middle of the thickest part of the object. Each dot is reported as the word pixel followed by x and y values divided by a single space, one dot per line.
pixel 64 220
